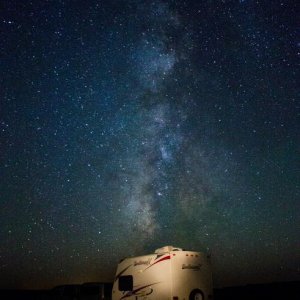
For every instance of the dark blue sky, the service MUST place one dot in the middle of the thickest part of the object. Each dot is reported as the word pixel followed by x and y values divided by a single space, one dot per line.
pixel 129 125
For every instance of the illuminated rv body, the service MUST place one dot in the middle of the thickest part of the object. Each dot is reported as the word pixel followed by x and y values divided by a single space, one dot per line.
pixel 168 274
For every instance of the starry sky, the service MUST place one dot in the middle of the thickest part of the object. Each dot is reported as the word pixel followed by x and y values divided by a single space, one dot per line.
pixel 129 125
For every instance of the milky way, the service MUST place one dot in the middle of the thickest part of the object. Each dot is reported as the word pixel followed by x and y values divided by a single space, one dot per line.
pixel 131 125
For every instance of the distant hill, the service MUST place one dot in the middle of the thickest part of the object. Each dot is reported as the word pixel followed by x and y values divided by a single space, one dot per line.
pixel 277 290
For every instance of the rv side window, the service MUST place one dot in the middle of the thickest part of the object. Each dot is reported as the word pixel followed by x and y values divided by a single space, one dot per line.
pixel 125 283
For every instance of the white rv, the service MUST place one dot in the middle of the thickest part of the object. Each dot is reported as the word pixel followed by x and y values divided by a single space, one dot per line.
pixel 168 274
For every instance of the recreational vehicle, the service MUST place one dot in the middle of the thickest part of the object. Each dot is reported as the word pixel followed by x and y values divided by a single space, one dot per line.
pixel 168 274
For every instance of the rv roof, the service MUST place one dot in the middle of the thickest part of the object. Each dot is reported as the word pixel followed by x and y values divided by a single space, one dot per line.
pixel 167 249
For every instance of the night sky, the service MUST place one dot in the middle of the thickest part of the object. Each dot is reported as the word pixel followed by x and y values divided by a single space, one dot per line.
pixel 129 125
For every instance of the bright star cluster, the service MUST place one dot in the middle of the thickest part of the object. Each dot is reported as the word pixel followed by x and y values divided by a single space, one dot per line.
pixel 129 125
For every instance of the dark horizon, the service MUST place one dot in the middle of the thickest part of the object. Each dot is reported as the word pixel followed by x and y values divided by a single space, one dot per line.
pixel 131 125
pixel 283 290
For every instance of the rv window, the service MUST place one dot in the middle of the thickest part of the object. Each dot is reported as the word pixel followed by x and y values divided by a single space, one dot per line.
pixel 125 283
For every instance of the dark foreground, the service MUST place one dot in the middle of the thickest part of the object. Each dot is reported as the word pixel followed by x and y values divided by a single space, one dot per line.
pixel 284 291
